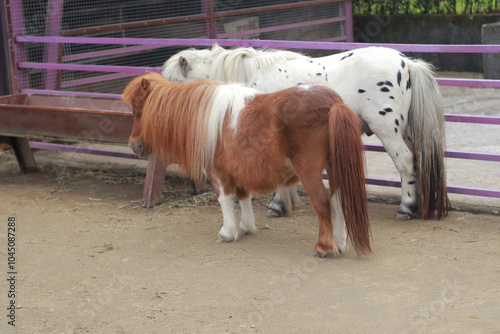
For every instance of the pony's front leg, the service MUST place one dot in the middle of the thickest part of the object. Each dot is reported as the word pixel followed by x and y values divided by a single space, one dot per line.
pixel 230 230
pixel 247 223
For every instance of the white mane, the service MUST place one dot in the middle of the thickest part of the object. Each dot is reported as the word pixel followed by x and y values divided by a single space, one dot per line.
pixel 241 64
pixel 228 98
pixel 234 65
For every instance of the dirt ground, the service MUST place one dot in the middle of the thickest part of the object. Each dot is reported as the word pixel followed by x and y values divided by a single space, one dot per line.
pixel 89 259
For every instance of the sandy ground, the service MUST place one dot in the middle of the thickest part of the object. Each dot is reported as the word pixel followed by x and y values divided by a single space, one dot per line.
pixel 89 259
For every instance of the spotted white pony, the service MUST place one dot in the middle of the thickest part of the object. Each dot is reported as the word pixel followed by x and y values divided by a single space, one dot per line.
pixel 396 98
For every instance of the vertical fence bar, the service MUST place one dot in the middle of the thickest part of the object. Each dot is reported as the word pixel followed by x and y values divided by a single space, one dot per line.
pixel 207 7
pixel 53 23
pixel 213 27
pixel 348 21
pixel 205 10
pixel 14 12
pixel 5 85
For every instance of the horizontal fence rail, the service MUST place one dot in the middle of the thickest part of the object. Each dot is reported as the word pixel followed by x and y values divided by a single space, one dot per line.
pixel 258 43
pixel 84 149
pixel 152 42
pixel 473 83
pixel 451 189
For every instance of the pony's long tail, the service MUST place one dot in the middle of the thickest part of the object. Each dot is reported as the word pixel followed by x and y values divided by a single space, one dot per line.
pixel 347 176
pixel 425 129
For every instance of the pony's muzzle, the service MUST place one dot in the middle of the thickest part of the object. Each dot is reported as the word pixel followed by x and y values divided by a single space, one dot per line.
pixel 139 147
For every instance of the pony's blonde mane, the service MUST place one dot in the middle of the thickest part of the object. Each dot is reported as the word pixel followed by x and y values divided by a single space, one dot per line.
pixel 182 123
pixel 242 64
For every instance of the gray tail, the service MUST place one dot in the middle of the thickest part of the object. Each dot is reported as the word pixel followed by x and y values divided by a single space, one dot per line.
pixel 426 131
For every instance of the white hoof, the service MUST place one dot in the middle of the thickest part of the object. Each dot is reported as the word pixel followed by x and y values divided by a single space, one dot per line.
pixel 228 235
pixel 248 228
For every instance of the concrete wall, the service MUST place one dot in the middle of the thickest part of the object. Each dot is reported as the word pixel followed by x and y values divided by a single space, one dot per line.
pixel 428 29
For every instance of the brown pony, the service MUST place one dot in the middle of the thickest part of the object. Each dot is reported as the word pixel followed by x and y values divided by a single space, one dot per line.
pixel 249 142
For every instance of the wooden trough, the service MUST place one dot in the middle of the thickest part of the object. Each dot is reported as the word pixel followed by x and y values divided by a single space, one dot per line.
pixel 90 118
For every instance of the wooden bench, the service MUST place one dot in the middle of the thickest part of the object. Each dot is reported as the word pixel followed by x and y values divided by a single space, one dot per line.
pixel 96 119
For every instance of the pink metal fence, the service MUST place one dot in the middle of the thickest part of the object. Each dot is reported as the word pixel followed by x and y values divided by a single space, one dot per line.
pixel 18 42
pixel 319 20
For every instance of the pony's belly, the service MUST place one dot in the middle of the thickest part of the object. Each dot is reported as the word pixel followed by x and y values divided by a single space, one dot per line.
pixel 264 175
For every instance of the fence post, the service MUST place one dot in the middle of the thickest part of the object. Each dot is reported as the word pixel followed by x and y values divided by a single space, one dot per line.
pixel 53 23
pixel 207 7
pixel 348 21
pixel 5 84
pixel 14 13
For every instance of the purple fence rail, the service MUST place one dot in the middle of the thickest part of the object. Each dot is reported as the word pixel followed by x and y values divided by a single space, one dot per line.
pixel 83 149
pixel 148 42
pixel 145 43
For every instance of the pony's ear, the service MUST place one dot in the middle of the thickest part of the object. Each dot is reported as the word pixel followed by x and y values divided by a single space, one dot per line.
pixel 145 83
pixel 216 49
pixel 184 65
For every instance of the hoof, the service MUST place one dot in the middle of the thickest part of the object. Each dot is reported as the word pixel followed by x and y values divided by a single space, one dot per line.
pixel 318 255
pixel 275 210
pixel 245 230
pixel 402 216
pixel 334 252
pixel 274 214
pixel 227 237
pixel 408 211
pixel 222 240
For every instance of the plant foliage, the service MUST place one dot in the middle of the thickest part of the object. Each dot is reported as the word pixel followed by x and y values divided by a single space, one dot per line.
pixel 425 7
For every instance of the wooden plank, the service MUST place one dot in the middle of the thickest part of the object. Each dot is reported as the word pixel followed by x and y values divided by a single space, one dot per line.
pixel 22 150
pixel 24 155
pixel 155 175
pixel 94 119
pixel 65 124
pixel 199 186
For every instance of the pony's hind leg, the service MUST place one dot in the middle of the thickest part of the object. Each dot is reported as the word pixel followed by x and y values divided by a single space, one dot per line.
pixel 283 202
pixel 402 156
pixel 310 177
pixel 247 223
